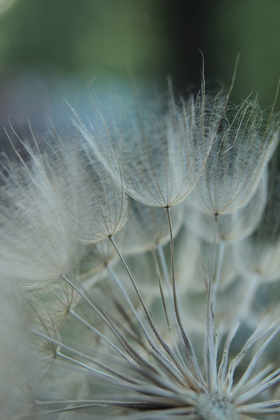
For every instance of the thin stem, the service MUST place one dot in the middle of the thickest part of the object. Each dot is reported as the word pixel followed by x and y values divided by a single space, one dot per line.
pixel 242 382
pixel 181 371
pixel 158 274
pixel 127 298
pixel 120 337
pixel 235 325
pixel 185 340
pixel 118 375
pixel 259 333
pixel 77 402
pixel 76 316
pixel 224 363
pixel 211 356
pixel 66 409
pixel 257 390
pixel 165 270
pixel 171 308
pixel 266 407
pixel 112 240
pixel 257 379
pixel 151 322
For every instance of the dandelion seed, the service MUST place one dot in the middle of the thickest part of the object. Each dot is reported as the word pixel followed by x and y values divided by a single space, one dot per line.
pixel 157 154
pixel 245 140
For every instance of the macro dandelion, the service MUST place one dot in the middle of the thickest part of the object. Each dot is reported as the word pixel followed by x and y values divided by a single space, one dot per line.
pixel 140 250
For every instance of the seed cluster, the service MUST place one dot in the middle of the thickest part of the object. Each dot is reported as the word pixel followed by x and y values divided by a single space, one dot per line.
pixel 145 254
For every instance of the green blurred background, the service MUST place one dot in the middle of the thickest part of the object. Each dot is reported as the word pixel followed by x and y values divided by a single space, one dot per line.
pixel 50 49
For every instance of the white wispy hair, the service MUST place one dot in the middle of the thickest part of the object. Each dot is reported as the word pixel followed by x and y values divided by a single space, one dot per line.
pixel 95 205
pixel 36 245
pixel 245 140
pixel 154 149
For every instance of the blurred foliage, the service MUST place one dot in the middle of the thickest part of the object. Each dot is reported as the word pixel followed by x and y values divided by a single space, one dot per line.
pixel 76 34
pixel 251 27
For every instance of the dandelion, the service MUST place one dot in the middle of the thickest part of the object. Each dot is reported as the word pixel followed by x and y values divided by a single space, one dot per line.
pixel 144 313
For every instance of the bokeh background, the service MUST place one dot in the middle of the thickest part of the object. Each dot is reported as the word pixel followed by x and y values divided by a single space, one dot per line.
pixel 56 49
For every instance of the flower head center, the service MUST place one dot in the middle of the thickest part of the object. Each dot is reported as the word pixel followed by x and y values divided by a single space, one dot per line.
pixel 216 407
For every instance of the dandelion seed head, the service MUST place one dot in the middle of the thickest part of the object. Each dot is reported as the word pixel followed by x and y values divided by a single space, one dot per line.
pixel 150 313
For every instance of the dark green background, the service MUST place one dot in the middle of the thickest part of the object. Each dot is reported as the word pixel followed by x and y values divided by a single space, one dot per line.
pixel 45 42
